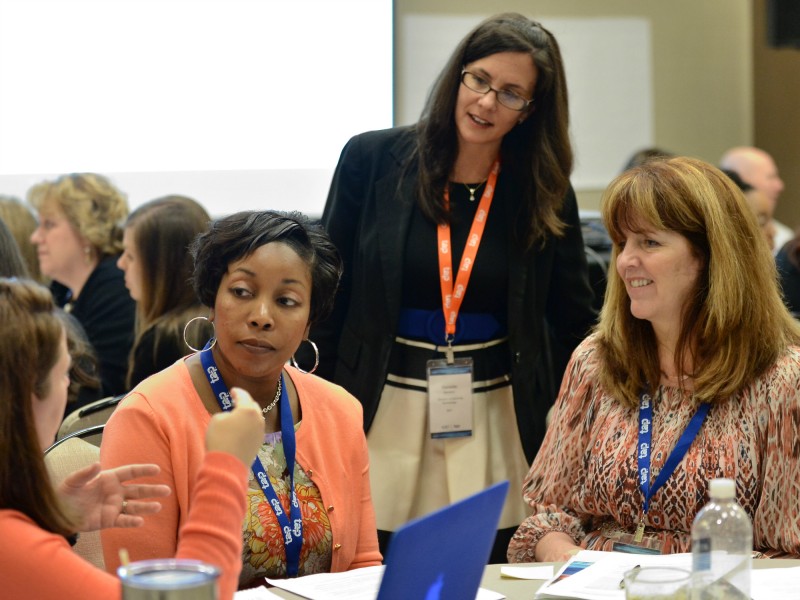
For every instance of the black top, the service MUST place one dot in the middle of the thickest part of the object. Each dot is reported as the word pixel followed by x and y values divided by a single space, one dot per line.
pixel 486 291
pixel 371 216
pixel 149 357
pixel 789 276
pixel 161 344
pixel 107 313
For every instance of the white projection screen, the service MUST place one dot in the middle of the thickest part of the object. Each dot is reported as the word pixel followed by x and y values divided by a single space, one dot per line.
pixel 240 104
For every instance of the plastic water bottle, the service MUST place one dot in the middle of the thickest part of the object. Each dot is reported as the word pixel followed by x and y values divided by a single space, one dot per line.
pixel 722 544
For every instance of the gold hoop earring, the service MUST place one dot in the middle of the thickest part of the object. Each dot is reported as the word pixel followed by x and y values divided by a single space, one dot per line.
pixel 213 339
pixel 316 359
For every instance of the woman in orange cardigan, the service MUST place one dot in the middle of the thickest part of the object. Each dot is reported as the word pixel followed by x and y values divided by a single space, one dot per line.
pixel 36 519
pixel 266 277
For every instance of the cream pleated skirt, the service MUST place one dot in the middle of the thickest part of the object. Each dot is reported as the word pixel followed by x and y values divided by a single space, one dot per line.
pixel 413 474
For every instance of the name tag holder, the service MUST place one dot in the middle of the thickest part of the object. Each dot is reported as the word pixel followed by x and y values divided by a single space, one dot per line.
pixel 450 403
pixel 450 379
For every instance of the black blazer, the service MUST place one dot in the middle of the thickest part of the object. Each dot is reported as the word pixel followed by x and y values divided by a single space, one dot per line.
pixel 367 216
pixel 107 313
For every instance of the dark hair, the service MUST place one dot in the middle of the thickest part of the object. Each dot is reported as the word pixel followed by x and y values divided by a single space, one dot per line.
pixel 21 222
pixel 234 237
pixel 537 151
pixel 792 250
pixel 11 262
pixel 162 231
pixel 642 156
pixel 84 378
pixel 737 179
pixel 29 346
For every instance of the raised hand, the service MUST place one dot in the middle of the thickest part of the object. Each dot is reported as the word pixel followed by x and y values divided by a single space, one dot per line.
pixel 100 499
pixel 239 431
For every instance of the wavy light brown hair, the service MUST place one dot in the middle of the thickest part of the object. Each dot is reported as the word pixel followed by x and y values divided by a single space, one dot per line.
pixel 734 324
pixel 537 151
pixel 91 203
pixel 162 231
pixel 32 333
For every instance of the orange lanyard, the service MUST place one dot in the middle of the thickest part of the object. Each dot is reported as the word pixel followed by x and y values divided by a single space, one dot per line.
pixel 452 297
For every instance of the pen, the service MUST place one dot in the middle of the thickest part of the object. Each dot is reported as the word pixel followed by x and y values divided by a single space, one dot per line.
pixel 622 581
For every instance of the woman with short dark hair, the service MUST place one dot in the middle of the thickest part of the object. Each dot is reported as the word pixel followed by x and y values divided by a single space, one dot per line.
pixel 265 278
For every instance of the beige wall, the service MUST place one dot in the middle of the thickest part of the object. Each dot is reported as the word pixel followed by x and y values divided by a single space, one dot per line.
pixel 777 112
pixel 702 64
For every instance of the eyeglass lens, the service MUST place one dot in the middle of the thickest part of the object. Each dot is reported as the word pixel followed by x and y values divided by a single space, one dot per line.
pixel 504 97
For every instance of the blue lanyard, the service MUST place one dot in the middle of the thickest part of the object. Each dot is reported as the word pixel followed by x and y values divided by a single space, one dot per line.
pixel 292 532
pixel 675 457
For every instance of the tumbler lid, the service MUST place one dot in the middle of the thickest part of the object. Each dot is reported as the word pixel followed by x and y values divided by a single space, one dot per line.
pixel 167 574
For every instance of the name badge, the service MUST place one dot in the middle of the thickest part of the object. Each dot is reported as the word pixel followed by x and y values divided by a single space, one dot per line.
pixel 450 398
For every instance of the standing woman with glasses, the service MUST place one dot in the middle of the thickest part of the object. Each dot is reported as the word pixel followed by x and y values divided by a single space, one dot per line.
pixel 468 215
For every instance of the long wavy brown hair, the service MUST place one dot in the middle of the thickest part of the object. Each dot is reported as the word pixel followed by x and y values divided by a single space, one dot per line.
pixel 734 324
pixel 162 231
pixel 32 333
pixel 537 151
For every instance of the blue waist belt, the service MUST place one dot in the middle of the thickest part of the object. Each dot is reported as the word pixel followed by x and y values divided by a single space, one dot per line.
pixel 429 325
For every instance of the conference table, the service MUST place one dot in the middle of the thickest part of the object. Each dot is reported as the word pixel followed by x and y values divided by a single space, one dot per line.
pixel 520 589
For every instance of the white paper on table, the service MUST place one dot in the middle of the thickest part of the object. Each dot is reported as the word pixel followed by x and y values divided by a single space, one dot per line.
pixel 358 584
pixel 484 594
pixel 539 572
pixel 601 573
pixel 259 593
pixel 773 584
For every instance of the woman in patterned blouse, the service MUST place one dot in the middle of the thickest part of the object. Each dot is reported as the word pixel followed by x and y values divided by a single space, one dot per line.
pixel 694 345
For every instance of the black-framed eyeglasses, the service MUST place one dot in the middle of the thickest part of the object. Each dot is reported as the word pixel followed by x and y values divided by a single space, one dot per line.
pixel 505 97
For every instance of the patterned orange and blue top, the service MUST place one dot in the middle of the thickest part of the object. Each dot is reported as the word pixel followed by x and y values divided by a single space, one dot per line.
pixel 264 554
pixel 583 481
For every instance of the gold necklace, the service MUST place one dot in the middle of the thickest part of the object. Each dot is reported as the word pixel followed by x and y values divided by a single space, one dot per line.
pixel 473 190
pixel 272 404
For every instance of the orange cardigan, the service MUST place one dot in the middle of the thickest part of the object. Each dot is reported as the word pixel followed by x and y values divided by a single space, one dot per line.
pixel 163 421
pixel 39 564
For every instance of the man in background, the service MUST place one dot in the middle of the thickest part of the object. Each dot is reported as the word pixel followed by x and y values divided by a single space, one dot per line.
pixel 757 168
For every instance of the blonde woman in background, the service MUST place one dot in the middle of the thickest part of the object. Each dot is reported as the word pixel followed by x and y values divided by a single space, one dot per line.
pixel 158 268
pixel 78 241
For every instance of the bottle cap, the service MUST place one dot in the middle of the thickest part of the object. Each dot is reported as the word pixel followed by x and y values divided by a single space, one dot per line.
pixel 724 489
